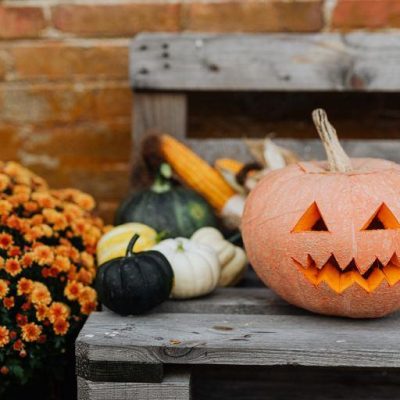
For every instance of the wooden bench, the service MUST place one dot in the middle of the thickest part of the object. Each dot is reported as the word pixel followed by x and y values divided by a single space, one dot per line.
pixel 241 343
pixel 245 343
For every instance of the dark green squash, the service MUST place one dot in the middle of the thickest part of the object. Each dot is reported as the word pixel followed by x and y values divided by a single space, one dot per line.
pixel 135 283
pixel 174 210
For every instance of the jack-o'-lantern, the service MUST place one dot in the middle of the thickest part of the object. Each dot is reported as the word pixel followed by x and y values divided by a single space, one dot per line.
pixel 326 235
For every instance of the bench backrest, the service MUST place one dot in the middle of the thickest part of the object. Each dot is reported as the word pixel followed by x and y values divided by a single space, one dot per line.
pixel 164 67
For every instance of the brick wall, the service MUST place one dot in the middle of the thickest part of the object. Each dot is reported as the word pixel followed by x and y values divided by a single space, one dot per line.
pixel 65 103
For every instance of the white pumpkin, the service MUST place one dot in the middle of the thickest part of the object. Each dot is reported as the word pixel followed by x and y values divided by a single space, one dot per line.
pixel 232 258
pixel 196 267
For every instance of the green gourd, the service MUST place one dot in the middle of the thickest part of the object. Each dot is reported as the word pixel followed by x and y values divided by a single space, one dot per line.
pixel 166 207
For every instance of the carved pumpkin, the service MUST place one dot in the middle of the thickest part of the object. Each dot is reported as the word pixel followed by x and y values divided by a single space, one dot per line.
pixel 326 235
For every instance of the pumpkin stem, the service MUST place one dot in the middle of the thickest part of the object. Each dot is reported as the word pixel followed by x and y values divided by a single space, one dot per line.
pixel 337 158
pixel 131 244
pixel 162 183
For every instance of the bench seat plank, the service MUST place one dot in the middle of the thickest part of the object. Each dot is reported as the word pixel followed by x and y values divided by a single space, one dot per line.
pixel 308 340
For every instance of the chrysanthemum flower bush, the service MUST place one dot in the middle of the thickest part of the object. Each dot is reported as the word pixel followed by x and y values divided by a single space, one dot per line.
pixel 47 265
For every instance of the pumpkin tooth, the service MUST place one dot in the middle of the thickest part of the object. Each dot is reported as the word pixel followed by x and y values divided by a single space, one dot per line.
pixel 343 261
pixel 360 280
pixel 395 260
pixel 375 279
pixel 322 259
pixel 364 263
pixel 384 260
pixel 346 280
pixel 331 276
pixel 392 273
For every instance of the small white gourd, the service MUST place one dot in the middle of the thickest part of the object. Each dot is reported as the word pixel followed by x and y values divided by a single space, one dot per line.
pixel 196 267
pixel 233 259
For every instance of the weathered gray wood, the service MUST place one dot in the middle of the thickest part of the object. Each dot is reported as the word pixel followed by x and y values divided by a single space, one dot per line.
pixel 175 386
pixel 233 301
pixel 308 149
pixel 114 370
pixel 242 340
pixel 310 62
pixel 165 112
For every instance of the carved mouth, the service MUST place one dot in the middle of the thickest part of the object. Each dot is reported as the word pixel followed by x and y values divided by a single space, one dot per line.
pixel 339 280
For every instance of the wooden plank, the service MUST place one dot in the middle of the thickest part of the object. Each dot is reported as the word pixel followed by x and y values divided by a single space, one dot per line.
pixel 115 370
pixel 308 149
pixel 310 62
pixel 175 386
pixel 215 339
pixel 165 112
pixel 295 383
pixel 233 301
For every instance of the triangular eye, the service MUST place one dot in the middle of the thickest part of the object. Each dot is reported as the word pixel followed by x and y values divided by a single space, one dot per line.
pixel 383 218
pixel 311 220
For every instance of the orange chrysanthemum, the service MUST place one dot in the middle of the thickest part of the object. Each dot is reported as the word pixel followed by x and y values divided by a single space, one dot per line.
pixel 4 336
pixel 5 207
pixel 4 182
pixel 85 276
pixel 27 260
pixel 60 326
pixel 72 290
pixel 9 302
pixel 62 263
pixel 24 286
pixel 13 267
pixel 58 310
pixel 45 200
pixel 4 288
pixel 87 294
pixel 43 255
pixel 40 294
pixel 88 307
pixel 41 312
pixel 6 240
pixel 31 332
pixel 18 345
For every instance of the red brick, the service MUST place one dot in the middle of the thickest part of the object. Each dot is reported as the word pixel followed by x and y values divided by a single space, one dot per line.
pixel 21 22
pixel 366 14
pixel 106 182
pixel 57 60
pixel 89 143
pixel 10 142
pixel 67 103
pixel 3 68
pixel 253 15
pixel 116 19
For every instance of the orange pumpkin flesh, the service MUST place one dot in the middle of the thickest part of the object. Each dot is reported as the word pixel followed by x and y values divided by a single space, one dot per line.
pixel 328 241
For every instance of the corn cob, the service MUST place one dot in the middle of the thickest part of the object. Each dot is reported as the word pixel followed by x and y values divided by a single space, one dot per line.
pixel 196 172
pixel 228 164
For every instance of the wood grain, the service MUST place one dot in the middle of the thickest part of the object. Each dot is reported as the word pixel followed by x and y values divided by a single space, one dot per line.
pixel 175 386
pixel 233 301
pixel 163 112
pixel 211 339
pixel 308 149
pixel 311 62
